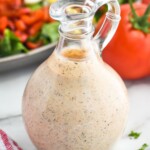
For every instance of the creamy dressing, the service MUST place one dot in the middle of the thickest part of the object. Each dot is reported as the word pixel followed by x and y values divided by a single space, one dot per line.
pixel 78 104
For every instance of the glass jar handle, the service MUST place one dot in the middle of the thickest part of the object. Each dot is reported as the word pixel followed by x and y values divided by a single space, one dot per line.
pixel 110 24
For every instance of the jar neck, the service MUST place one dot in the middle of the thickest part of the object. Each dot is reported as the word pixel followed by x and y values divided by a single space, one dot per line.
pixel 76 33
pixel 77 43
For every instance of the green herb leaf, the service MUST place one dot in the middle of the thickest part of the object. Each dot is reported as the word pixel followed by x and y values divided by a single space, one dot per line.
pixel 10 44
pixel 144 146
pixel 35 6
pixel 50 32
pixel 134 135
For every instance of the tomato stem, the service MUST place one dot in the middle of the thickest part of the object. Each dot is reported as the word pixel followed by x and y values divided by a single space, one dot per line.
pixel 132 9
pixel 140 22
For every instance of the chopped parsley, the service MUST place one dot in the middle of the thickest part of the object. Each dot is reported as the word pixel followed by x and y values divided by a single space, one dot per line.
pixel 144 146
pixel 134 135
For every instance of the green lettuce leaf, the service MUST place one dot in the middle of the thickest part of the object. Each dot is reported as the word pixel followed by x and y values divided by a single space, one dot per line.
pixel 50 32
pixel 11 45
pixel 35 6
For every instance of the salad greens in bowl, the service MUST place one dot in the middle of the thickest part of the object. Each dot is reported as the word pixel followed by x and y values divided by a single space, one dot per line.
pixel 25 27
pixel 28 34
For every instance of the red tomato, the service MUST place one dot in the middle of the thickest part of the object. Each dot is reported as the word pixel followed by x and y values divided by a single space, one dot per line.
pixel 22 36
pixel 11 25
pixel 20 25
pixel 34 29
pixel 32 45
pixel 146 1
pixel 129 51
pixel 47 17
pixel 3 23
pixel 36 16
pixel 24 10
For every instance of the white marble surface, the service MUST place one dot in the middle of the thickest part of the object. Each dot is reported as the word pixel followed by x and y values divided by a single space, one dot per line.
pixel 12 85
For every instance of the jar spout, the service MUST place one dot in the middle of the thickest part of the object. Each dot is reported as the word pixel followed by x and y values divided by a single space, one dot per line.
pixel 76 16
pixel 73 15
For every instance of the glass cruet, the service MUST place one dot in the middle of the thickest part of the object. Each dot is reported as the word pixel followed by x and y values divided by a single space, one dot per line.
pixel 74 101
